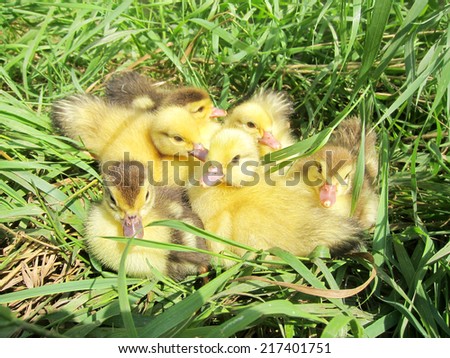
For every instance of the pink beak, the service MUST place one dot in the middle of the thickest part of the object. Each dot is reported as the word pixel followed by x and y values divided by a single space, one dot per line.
pixel 269 140
pixel 199 152
pixel 212 177
pixel 132 226
pixel 328 195
pixel 217 112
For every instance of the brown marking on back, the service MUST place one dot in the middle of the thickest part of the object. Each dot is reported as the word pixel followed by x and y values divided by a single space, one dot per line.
pixel 164 194
pixel 182 263
pixel 355 242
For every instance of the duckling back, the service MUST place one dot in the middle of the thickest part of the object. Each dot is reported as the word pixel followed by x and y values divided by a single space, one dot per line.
pixel 265 216
pixel 130 89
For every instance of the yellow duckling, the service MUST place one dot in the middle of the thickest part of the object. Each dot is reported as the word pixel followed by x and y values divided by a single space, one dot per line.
pixel 266 117
pixel 164 139
pixel 133 90
pixel 330 172
pixel 236 201
pixel 129 204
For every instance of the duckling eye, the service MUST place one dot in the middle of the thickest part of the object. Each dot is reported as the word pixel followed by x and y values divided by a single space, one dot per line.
pixel 147 196
pixel 177 138
pixel 113 202
pixel 200 109
pixel 236 159
pixel 251 125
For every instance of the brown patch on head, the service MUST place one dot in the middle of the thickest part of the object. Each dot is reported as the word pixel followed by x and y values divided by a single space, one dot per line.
pixel 187 95
pixel 126 177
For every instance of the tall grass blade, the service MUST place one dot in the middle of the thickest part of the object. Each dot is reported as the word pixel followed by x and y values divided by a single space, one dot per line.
pixel 124 303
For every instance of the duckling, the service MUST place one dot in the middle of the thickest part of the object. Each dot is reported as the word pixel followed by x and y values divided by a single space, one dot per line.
pixel 329 175
pixel 266 117
pixel 131 89
pixel 235 201
pixel 167 136
pixel 129 204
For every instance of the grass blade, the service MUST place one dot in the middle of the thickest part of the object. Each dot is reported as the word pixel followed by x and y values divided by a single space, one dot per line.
pixel 64 287
pixel 273 308
pixel 374 35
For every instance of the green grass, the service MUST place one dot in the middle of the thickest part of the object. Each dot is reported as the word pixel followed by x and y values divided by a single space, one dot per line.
pixel 387 61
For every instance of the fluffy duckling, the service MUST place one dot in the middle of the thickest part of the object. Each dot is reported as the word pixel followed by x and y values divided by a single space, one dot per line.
pixel 133 90
pixel 235 201
pixel 266 117
pixel 329 174
pixel 166 138
pixel 128 205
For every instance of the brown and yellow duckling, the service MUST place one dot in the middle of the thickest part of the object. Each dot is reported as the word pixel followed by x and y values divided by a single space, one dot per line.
pixel 330 173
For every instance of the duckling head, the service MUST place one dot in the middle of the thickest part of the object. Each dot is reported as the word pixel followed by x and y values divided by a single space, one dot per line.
pixel 232 158
pixel 128 195
pixel 176 132
pixel 331 173
pixel 255 120
pixel 197 102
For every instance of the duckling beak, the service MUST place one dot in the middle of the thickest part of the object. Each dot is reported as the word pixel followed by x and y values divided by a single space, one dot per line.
pixel 328 195
pixel 269 140
pixel 212 177
pixel 217 112
pixel 132 226
pixel 199 152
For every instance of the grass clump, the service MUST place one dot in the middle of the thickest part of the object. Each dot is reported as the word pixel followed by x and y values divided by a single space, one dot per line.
pixel 387 61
